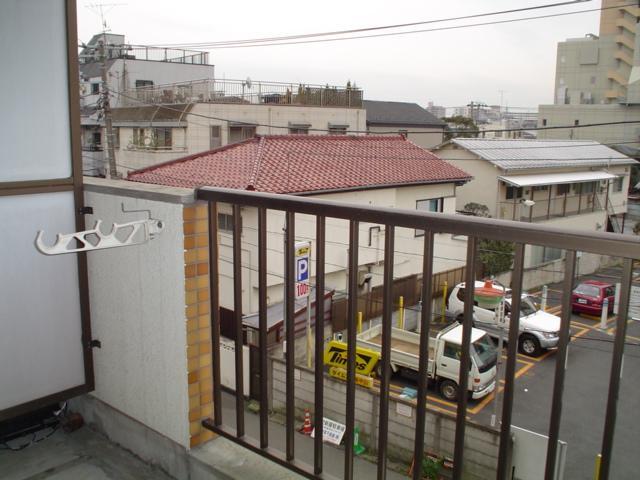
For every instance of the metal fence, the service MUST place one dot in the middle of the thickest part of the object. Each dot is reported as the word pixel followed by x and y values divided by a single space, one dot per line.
pixel 475 229
pixel 246 92
pixel 553 207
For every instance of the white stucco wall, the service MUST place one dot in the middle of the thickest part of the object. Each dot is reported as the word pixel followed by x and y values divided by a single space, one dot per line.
pixel 196 137
pixel 138 313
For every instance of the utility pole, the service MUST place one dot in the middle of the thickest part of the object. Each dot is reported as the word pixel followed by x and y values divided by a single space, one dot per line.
pixel 110 171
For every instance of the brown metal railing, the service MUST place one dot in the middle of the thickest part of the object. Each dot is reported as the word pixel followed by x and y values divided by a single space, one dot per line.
pixel 474 228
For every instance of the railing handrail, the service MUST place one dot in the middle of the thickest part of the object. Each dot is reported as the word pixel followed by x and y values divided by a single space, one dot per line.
pixel 489 228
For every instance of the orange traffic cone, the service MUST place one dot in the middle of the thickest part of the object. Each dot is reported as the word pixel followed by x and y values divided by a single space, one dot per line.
pixel 307 428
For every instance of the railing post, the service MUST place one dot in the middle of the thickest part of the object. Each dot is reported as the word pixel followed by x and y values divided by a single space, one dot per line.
pixel 262 321
pixel 237 319
pixel 289 276
pixel 387 320
pixel 214 296
pixel 352 307
pixel 319 344
pixel 510 370
pixel 616 369
pixel 423 359
pixel 561 365
pixel 465 361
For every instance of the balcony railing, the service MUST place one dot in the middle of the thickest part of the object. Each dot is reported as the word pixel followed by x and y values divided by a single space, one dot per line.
pixel 556 207
pixel 390 219
pixel 247 93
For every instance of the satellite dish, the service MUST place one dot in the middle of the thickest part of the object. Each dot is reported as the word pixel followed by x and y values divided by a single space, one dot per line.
pixel 247 82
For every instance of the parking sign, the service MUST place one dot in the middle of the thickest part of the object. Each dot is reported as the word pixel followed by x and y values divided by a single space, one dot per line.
pixel 303 253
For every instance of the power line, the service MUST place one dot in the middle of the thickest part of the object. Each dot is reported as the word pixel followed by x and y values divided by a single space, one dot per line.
pixel 364 29
pixel 438 29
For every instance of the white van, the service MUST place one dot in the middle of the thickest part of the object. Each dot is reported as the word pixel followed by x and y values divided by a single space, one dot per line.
pixel 539 330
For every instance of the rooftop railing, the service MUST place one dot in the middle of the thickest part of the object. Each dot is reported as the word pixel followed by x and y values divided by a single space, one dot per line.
pixel 390 219
pixel 245 92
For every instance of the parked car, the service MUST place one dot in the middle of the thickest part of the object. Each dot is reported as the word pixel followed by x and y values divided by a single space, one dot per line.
pixel 538 331
pixel 589 296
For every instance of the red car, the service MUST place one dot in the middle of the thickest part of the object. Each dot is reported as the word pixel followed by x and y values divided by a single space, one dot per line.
pixel 589 295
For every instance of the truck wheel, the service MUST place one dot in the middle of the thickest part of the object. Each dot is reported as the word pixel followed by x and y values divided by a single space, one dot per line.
pixel 449 390
pixel 529 345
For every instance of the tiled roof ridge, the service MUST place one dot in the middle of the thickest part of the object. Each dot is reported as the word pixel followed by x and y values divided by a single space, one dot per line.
pixel 193 156
pixel 253 179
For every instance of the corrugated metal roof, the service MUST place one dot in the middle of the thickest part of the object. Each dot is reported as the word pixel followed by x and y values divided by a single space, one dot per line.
pixel 525 154
pixel 305 164
pixel 555 178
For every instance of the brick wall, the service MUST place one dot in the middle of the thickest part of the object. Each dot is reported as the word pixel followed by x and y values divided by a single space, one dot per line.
pixel 198 348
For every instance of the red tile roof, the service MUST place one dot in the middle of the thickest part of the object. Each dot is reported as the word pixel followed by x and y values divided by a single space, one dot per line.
pixel 305 164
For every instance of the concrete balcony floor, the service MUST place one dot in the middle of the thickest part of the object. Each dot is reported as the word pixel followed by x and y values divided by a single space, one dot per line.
pixel 80 455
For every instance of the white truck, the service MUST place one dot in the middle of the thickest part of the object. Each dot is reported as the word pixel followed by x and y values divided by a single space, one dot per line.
pixel 539 330
pixel 444 358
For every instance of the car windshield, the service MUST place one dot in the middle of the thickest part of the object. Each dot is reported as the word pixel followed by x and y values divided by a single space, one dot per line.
pixel 527 307
pixel 588 290
pixel 484 353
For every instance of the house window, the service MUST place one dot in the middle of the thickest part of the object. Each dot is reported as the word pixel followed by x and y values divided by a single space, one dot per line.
pixel 299 130
pixel 96 140
pixel 514 192
pixel 95 88
pixel 338 129
pixel 540 188
pixel 617 184
pixel 240 133
pixel 563 188
pixel 138 137
pixel 544 122
pixel 162 138
pixel 576 122
pixel 144 83
pixel 215 137
pixel 589 187
pixel 225 222
pixel 428 205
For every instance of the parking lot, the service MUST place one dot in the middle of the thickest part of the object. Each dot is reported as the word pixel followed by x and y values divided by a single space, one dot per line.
pixel 585 393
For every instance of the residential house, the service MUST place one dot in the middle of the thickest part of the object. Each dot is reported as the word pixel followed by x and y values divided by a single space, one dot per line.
pixel 128 68
pixel 163 123
pixel 598 82
pixel 340 168
pixel 571 184
pixel 409 119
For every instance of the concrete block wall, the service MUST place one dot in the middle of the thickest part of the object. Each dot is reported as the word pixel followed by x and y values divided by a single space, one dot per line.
pixel 481 443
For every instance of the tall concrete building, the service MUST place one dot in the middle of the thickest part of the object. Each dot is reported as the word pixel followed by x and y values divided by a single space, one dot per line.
pixel 596 69
pixel 598 81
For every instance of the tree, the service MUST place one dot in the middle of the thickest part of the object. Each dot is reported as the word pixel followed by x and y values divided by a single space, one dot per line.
pixel 496 256
pixel 459 126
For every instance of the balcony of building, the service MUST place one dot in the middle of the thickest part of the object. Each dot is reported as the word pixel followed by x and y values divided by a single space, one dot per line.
pixel 626 40
pixel 623 56
pixel 297 387
pixel 93 53
pixel 626 23
pixel 246 92
pixel 617 77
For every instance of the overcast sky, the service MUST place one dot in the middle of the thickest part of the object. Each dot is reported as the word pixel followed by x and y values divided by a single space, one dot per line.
pixel 449 68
